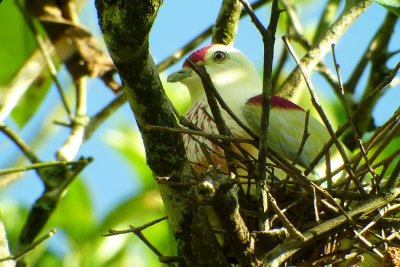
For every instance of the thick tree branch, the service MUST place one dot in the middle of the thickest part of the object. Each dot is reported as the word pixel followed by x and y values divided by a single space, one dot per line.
pixel 126 27
pixel 224 30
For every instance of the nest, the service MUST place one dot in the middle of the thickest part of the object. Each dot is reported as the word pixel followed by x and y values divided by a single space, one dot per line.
pixel 297 221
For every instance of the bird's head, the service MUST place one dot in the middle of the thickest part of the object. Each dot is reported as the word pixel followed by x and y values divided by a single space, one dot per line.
pixel 230 70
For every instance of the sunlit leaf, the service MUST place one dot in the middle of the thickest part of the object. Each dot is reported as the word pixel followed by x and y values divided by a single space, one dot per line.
pixel 74 213
pixel 128 142
pixel 17 41
pixel 31 100
pixel 391 5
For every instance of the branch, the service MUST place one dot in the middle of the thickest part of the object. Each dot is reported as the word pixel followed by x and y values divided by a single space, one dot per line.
pixel 352 10
pixel 192 44
pixel 126 27
pixel 378 55
pixel 268 36
pixel 283 251
pixel 56 180
pixel 225 27
pixel 138 232
pixel 324 119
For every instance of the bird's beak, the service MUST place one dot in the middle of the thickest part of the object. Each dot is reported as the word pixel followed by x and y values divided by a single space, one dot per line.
pixel 179 75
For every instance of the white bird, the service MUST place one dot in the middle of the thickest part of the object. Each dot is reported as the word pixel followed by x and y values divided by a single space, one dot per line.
pixel 237 81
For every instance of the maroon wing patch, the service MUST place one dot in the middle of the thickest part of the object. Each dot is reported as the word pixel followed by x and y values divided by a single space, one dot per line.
pixel 276 102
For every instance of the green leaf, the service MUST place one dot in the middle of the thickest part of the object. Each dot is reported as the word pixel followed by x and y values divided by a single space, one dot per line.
pixel 17 44
pixel 17 41
pixel 391 5
pixel 31 100
pixel 74 213
pixel 128 142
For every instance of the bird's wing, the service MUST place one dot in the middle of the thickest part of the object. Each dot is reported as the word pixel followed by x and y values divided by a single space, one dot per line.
pixel 286 128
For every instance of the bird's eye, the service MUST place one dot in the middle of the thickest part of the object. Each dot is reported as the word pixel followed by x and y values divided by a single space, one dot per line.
pixel 219 56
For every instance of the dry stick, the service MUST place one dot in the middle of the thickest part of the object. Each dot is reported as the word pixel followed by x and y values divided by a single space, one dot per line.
pixel 243 242
pixel 384 240
pixel 286 223
pixel 381 147
pixel 353 127
pixel 376 218
pixel 368 244
pixel 315 202
pixel 388 79
pixel 378 135
pixel 283 251
pixel 268 36
pixel 356 113
pixel 325 120
pixel 308 185
pixel 292 204
pixel 209 89
pixel 197 131
pixel 385 162
pixel 381 131
pixel 201 133
pixel 328 172
pixel 303 139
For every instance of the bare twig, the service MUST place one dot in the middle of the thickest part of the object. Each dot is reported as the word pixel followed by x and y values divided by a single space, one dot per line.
pixel 283 251
pixel 52 69
pixel 74 141
pixel 353 9
pixel 341 93
pixel 212 137
pixel 31 246
pixel 268 36
pixel 138 229
pixel 286 223
pixel 40 165
pixel 138 232
pixel 325 120
pixel 210 90
pixel 20 143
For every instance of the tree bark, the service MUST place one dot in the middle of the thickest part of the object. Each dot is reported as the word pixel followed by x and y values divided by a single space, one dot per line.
pixel 126 26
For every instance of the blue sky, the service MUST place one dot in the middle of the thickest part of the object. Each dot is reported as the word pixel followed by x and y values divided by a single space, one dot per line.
pixel 177 22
